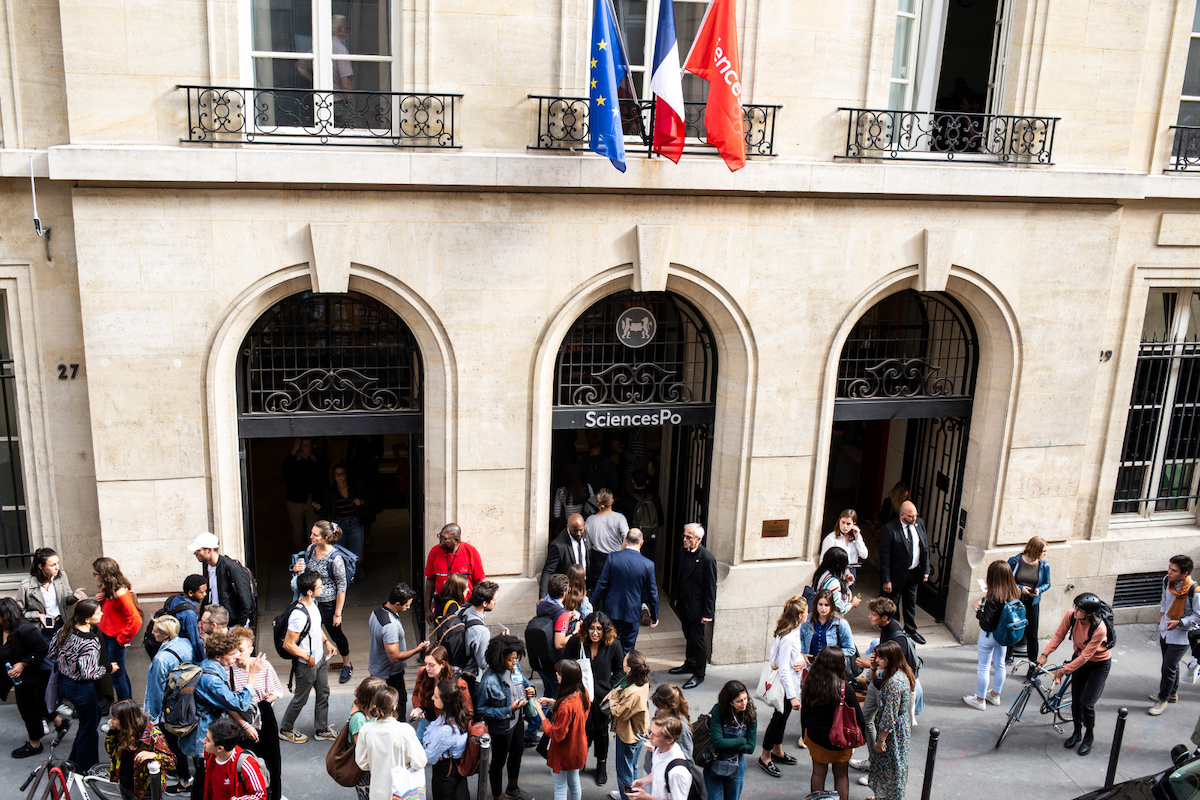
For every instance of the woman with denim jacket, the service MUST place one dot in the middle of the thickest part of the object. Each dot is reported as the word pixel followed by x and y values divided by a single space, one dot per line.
pixel 501 701
pixel 1032 573
pixel 733 726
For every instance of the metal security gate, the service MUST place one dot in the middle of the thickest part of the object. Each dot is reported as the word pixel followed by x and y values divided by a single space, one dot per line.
pixel 687 500
pixel 935 474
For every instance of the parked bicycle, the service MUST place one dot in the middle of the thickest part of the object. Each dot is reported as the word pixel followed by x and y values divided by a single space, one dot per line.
pixel 58 779
pixel 1054 701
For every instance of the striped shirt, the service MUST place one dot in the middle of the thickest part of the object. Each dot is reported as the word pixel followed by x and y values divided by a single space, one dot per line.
pixel 265 682
pixel 78 658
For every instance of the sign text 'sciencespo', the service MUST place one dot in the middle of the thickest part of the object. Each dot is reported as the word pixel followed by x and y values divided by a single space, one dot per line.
pixel 664 417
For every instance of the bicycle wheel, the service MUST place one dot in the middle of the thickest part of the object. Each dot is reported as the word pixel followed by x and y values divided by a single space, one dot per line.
pixel 1014 713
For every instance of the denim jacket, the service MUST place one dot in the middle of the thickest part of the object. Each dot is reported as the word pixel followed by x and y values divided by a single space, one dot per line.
pixel 839 636
pixel 169 656
pixel 1043 584
pixel 492 701
pixel 213 698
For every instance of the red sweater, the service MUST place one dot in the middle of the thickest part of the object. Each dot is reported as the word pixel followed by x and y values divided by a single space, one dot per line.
pixel 121 620
pixel 221 781
pixel 568 739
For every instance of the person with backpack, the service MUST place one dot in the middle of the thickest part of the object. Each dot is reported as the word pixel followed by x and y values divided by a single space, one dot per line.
pixel 733 727
pixel 643 509
pixel 996 613
pixel 445 741
pixel 309 649
pixel 324 559
pixel 230 584
pixel 628 705
pixel 1032 573
pixel 173 650
pixel 229 772
pixel 1177 614
pixel 594 646
pixel 131 742
pixel 185 608
pixel 1088 623
pixel 567 753
pixel 501 702
pixel 452 597
pixel 475 635
pixel 121 621
pixel 385 743
pixel 673 774
pixel 262 735
pixel 889 761
pixel 388 654
pixel 76 654
pixel 451 555
pixel 548 633
pixel 213 696
pixel 825 689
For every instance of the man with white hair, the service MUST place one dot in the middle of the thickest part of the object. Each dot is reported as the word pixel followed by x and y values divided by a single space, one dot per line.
pixel 695 601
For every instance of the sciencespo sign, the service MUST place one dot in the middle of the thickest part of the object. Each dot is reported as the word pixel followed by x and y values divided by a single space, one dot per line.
pixel 645 416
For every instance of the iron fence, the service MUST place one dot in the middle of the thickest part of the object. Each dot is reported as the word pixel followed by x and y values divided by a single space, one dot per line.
pixel 304 116
pixel 1185 150
pixel 949 136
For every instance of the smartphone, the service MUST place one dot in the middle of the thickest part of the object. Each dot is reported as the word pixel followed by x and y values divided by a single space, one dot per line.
pixel 982 585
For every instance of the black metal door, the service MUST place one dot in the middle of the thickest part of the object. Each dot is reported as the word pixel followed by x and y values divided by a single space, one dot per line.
pixel 934 462
pixel 416 526
pixel 687 493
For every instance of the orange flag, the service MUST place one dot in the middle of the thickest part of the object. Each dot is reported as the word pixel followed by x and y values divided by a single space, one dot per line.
pixel 714 57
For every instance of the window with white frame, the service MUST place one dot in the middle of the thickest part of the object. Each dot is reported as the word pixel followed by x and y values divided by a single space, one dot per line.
pixel 304 54
pixel 1158 472
pixel 14 523
pixel 1189 104
pixel 639 25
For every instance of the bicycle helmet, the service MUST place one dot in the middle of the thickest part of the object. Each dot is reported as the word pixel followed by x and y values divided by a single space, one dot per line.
pixel 1088 603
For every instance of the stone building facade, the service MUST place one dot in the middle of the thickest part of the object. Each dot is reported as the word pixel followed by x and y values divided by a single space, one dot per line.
pixel 129 322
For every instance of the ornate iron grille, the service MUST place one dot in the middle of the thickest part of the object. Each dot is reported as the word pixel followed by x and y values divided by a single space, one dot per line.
pixel 678 366
pixel 303 116
pixel 1185 151
pixel 321 353
pixel 946 136
pixel 909 346
pixel 938 460
pixel 563 124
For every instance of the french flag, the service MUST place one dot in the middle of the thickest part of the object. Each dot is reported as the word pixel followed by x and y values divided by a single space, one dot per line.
pixel 666 82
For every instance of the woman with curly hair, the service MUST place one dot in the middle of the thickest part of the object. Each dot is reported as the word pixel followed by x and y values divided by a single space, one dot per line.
pixel 501 698
pixel 132 742
pixel 733 726
pixel 595 643
pixel 122 619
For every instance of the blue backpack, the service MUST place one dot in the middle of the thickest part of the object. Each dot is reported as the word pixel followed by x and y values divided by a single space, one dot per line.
pixel 1011 627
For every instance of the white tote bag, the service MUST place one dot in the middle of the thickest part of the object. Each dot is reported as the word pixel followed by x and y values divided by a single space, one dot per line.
pixel 408 784
pixel 589 680
pixel 769 690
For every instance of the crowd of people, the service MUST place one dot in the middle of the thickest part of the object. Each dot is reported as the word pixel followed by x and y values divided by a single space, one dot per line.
pixel 60 643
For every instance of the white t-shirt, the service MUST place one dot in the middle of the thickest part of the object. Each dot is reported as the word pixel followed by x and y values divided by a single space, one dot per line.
pixel 674 786
pixel 214 597
pixel 50 600
pixel 310 644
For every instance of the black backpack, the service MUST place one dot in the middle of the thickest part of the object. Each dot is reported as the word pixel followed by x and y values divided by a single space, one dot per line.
pixel 539 640
pixel 451 633
pixel 179 716
pixel 1105 616
pixel 703 752
pixel 173 604
pixel 279 630
pixel 698 791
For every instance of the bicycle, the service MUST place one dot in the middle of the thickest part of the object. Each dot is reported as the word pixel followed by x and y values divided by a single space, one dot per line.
pixel 1053 702
pixel 62 780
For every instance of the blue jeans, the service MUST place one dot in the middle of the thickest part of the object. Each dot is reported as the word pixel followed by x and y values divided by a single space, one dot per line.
pixel 85 753
pixel 566 785
pixel 120 678
pixel 989 649
pixel 725 788
pixel 355 535
pixel 626 765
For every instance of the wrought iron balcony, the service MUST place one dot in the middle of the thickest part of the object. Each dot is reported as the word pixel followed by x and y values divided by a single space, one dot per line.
pixel 304 116
pixel 949 136
pixel 1185 152
pixel 563 124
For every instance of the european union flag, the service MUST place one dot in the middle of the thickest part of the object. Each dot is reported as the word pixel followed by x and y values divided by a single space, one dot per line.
pixel 607 69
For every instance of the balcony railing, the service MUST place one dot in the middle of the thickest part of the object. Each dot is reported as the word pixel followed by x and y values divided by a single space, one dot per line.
pixel 563 124
pixel 1185 151
pixel 304 116
pixel 949 136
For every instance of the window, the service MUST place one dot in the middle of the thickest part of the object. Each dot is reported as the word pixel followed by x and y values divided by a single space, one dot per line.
pixel 1189 105
pixel 1158 474
pixel 14 524
pixel 639 24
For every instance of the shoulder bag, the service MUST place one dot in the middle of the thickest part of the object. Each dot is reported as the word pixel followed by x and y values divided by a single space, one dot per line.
pixel 844 732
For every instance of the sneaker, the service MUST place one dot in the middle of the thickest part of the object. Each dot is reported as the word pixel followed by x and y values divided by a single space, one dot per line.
pixel 861 764
pixel 993 698
pixel 975 702
pixel 347 671
pixel 1159 707
pixel 180 788
pixel 864 781
pixel 516 793
pixel 325 735
pixel 615 795
pixel 26 750
pixel 292 735
pixel 1173 698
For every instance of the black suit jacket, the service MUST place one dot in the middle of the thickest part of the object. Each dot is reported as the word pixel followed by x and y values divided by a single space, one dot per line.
pixel 236 595
pixel 895 552
pixel 559 556
pixel 696 589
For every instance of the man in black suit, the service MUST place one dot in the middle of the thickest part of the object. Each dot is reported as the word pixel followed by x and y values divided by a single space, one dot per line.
pixel 695 601
pixel 568 548
pixel 904 563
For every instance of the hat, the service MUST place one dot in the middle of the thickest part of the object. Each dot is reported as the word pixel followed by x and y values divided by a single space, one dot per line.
pixel 205 540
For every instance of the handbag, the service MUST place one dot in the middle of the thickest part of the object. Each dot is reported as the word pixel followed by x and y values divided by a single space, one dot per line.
pixel 725 767
pixel 408 784
pixel 844 732
pixel 703 752
pixel 339 761
pixel 769 689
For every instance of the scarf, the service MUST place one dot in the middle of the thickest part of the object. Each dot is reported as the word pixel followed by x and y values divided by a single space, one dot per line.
pixel 1179 604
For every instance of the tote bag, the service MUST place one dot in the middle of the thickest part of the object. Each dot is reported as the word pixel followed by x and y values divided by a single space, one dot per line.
pixel 589 680
pixel 339 761
pixel 844 732
pixel 769 689
pixel 408 784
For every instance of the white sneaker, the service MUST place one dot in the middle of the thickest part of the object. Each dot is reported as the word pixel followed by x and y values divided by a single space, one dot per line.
pixel 993 698
pixel 864 781
pixel 861 764
pixel 615 794
pixel 1159 707
pixel 1193 669
pixel 975 702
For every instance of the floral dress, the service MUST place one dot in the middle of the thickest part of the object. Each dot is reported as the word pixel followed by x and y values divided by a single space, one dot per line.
pixel 889 769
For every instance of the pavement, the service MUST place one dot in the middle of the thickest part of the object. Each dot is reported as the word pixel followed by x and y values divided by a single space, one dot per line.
pixel 1031 762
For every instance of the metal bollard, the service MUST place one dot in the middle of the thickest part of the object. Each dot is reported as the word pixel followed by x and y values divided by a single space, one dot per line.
pixel 1114 754
pixel 930 761
pixel 154 768
pixel 482 789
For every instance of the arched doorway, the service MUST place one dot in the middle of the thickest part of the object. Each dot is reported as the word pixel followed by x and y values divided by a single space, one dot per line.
pixel 339 375
pixel 905 388
pixel 634 400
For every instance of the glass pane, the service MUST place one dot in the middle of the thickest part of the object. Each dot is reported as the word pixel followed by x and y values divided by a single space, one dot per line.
pixel 907 7
pixel 1194 317
pixel 688 16
pixel 1160 308
pixel 11 492
pixel 900 55
pixel 1191 74
pixel 14 538
pixel 1196 19
pixel 362 27
pixel 282 26
pixel 1189 114
pixel 631 14
pixel 284 98
pixel 367 76
pixel 898 97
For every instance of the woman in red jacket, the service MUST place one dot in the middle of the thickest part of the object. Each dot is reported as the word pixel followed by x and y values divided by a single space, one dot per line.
pixel 121 621
pixel 568 735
